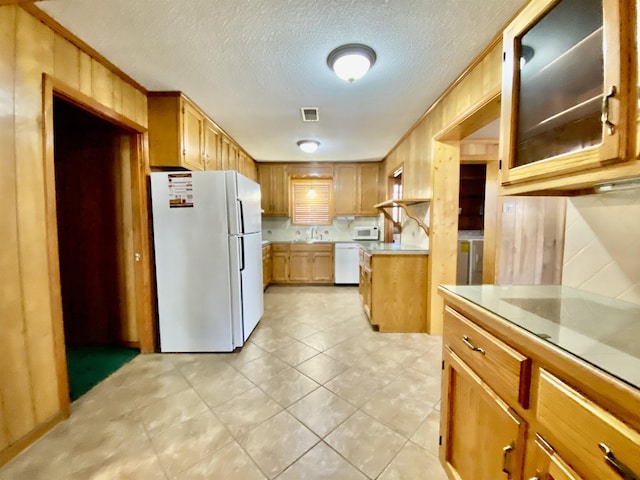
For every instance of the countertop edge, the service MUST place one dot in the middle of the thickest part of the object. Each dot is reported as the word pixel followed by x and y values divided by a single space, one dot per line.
pixel 588 378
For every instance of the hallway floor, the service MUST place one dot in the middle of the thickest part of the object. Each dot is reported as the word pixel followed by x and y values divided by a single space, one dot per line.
pixel 315 394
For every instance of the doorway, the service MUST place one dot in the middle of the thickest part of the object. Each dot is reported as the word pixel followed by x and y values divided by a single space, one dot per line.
pixel 90 156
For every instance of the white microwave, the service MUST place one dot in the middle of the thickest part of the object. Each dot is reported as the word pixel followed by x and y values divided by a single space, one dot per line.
pixel 365 233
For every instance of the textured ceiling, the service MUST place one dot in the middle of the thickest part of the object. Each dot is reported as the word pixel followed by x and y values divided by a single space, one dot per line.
pixel 251 64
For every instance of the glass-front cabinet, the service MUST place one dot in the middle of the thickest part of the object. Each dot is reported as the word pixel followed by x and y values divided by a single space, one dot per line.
pixel 566 104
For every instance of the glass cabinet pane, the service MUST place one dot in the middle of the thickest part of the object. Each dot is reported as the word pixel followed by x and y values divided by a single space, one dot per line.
pixel 561 82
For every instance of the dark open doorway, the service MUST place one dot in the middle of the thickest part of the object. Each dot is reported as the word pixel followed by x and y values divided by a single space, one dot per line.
pixel 91 220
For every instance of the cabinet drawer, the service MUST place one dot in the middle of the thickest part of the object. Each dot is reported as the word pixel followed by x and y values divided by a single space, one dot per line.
pixel 275 247
pixel 577 427
pixel 504 369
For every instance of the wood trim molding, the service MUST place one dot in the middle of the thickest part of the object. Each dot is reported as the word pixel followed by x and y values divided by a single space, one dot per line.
pixel 15 448
pixel 86 102
pixel 54 25
pixel 53 257
pixel 52 87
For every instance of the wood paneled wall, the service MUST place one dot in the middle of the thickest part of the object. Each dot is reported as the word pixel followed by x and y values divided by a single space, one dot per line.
pixel 423 175
pixel 531 241
pixel 29 397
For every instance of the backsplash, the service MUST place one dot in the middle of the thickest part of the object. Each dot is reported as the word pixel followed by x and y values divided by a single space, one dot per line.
pixel 602 244
pixel 280 229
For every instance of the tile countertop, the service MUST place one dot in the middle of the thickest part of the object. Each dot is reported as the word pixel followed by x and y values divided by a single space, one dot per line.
pixel 602 331
pixel 376 248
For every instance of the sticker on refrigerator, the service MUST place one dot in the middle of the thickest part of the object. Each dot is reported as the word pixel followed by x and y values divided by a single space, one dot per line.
pixel 180 190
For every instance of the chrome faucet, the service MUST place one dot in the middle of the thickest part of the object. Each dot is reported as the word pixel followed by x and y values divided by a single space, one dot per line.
pixel 313 232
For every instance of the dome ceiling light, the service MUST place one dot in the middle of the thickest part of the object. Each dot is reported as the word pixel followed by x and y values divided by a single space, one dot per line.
pixel 308 146
pixel 352 61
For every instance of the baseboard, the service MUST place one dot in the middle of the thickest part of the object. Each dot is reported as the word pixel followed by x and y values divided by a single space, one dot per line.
pixel 19 445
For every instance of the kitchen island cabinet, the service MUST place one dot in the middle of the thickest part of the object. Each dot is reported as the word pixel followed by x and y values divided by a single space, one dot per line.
pixel 393 287
pixel 539 363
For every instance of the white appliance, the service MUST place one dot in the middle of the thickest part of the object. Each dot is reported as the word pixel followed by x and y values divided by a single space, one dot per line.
pixel 365 233
pixel 347 263
pixel 470 257
pixel 208 256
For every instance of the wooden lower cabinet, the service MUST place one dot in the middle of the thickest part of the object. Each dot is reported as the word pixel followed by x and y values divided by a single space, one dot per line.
pixel 303 263
pixel 393 291
pixel 546 464
pixel 279 263
pixel 482 437
pixel 542 415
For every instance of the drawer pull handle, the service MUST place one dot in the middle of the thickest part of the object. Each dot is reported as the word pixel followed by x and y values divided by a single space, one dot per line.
pixel 621 469
pixel 470 344
pixel 506 454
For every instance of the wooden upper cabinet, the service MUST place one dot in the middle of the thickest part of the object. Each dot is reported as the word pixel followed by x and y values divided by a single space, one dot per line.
pixel 192 136
pixel 175 132
pixel 369 188
pixel 181 135
pixel 211 147
pixel 345 180
pixel 567 106
pixel 356 188
pixel 274 184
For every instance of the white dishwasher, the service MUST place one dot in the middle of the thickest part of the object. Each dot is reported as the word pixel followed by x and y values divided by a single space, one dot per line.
pixel 347 263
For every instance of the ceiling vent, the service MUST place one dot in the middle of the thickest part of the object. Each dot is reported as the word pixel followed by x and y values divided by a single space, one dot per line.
pixel 310 114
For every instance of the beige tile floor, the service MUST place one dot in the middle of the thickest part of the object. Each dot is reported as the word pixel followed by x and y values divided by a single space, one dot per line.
pixel 315 394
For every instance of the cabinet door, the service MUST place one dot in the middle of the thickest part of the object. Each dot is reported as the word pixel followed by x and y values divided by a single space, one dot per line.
pixel 211 144
pixel 369 189
pixel 279 190
pixel 565 103
pixel 233 157
pixel 264 179
pixel 280 267
pixel 345 180
pixel 482 438
pixel 545 464
pixel 322 267
pixel 300 266
pixel 192 124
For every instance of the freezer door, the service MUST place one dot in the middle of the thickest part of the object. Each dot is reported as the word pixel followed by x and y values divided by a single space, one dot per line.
pixel 243 200
pixel 246 284
pixel 192 263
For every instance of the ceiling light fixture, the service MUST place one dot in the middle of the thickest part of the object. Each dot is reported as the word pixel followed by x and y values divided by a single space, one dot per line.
pixel 308 146
pixel 526 54
pixel 352 61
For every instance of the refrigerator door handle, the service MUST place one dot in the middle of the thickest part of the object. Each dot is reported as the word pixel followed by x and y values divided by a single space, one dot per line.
pixel 242 260
pixel 240 216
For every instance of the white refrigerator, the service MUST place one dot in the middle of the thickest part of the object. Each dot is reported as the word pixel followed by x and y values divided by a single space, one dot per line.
pixel 208 257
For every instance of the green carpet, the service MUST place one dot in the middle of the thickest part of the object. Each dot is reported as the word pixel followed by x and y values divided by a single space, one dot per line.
pixel 90 365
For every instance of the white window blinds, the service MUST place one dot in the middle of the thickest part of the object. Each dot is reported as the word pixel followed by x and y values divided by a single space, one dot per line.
pixel 311 201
